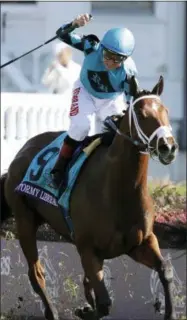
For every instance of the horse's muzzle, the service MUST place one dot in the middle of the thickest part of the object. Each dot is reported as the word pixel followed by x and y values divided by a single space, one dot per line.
pixel 167 151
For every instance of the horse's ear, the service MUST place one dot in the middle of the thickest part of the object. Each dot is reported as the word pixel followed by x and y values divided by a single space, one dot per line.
pixel 158 89
pixel 134 86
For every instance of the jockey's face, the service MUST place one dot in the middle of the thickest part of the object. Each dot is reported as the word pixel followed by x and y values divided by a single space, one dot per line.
pixel 112 60
pixel 110 64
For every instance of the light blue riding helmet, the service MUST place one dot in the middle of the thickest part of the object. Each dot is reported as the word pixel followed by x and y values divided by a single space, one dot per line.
pixel 119 40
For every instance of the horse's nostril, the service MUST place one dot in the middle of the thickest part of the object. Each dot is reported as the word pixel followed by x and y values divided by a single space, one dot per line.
pixel 173 148
pixel 163 148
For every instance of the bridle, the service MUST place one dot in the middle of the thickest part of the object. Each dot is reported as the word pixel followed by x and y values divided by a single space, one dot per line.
pixel 144 142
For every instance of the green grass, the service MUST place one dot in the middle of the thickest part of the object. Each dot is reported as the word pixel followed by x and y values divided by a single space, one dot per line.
pixel 167 194
pixel 157 186
pixel 169 201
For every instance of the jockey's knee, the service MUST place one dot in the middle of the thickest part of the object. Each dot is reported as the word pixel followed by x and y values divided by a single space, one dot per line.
pixel 79 130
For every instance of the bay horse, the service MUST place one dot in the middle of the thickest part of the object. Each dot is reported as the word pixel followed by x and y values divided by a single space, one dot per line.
pixel 111 209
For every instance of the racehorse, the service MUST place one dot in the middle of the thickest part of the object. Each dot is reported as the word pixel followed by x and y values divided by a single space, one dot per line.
pixel 110 206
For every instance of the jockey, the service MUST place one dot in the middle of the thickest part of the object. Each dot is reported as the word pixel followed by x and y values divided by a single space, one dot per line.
pixel 104 76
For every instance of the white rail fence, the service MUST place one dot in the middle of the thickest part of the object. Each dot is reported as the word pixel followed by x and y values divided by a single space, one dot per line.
pixel 24 115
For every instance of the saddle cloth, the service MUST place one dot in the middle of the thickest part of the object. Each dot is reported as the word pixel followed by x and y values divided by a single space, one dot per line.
pixel 38 182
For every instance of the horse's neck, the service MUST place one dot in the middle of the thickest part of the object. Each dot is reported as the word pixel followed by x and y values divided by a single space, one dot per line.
pixel 126 167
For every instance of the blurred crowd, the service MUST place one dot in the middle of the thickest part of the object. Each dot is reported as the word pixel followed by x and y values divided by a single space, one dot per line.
pixel 62 72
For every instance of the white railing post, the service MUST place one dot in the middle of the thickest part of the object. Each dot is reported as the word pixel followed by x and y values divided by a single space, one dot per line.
pixel 21 124
pixel 32 124
pixel 10 123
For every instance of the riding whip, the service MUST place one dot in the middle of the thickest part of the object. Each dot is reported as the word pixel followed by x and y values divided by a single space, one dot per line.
pixel 66 29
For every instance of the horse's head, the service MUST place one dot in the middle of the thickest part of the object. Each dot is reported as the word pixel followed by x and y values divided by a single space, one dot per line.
pixel 149 122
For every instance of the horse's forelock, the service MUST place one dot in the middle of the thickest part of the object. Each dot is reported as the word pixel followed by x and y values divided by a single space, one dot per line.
pixel 143 93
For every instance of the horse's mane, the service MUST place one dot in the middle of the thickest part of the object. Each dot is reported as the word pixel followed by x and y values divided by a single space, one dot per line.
pixel 108 133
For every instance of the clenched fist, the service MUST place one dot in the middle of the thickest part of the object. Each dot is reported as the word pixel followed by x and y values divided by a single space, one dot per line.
pixel 81 20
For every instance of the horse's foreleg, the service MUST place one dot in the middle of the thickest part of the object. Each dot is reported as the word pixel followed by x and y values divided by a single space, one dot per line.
pixel 88 292
pixel 93 268
pixel 88 311
pixel 27 227
pixel 148 253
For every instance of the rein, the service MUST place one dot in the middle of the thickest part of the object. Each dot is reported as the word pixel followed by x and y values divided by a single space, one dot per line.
pixel 109 123
pixel 161 132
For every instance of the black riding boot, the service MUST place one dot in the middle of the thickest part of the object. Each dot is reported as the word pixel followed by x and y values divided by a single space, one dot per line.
pixel 64 157
pixel 59 170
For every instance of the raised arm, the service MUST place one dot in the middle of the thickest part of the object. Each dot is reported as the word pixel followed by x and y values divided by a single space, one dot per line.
pixel 73 39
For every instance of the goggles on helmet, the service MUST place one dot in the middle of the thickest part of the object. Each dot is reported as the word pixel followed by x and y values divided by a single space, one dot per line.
pixel 110 55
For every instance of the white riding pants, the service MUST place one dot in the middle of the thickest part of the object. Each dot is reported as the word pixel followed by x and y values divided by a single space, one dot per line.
pixel 84 105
